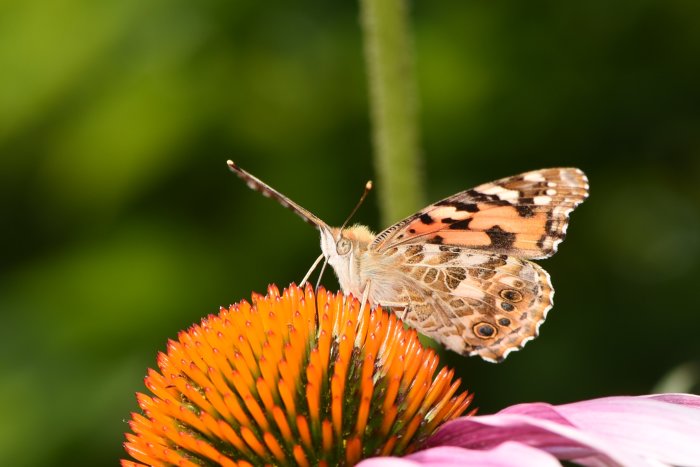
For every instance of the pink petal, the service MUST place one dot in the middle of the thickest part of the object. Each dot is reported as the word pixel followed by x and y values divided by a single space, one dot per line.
pixel 614 430
pixel 508 454
pixel 652 427
pixel 562 441
pixel 690 400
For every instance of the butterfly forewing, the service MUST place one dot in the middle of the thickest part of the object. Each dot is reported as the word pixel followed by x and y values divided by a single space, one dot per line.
pixel 525 215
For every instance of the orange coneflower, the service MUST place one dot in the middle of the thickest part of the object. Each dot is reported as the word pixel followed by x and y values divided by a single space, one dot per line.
pixel 293 378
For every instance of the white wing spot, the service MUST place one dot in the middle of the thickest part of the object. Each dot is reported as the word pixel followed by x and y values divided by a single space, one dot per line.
pixel 508 195
pixel 534 177
pixel 542 200
pixel 502 193
pixel 464 289
pixel 551 192
pixel 491 189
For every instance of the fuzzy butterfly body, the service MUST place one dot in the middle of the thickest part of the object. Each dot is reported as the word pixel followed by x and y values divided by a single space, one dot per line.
pixel 459 270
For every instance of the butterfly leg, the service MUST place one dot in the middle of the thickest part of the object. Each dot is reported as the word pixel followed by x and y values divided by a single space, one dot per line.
pixel 365 295
pixel 404 306
pixel 405 312
pixel 311 270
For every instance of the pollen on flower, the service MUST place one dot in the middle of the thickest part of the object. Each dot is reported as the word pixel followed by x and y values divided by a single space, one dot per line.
pixel 292 378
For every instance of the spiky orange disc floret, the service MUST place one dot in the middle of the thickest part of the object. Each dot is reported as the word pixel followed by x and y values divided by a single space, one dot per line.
pixel 291 379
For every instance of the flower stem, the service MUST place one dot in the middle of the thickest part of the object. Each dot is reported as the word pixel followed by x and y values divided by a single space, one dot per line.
pixel 393 102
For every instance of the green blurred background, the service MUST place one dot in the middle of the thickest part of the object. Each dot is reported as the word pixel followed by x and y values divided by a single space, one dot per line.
pixel 121 224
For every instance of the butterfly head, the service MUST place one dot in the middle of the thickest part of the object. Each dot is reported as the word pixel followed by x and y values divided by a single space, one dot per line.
pixel 342 248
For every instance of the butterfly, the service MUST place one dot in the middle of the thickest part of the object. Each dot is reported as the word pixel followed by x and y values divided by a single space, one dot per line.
pixel 459 270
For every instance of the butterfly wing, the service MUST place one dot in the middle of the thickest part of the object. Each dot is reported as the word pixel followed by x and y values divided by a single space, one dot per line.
pixel 525 215
pixel 473 302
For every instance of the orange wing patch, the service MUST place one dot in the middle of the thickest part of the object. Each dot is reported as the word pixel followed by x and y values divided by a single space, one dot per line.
pixel 525 215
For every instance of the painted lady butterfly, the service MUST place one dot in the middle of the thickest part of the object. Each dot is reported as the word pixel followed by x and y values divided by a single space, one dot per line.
pixel 459 270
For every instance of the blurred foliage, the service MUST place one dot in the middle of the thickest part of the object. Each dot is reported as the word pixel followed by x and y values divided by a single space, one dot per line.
pixel 121 224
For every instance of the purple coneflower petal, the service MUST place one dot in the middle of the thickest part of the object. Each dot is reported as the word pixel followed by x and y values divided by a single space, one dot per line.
pixel 648 430
pixel 689 400
pixel 508 454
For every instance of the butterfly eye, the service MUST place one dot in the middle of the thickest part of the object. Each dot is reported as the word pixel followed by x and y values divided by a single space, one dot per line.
pixel 343 246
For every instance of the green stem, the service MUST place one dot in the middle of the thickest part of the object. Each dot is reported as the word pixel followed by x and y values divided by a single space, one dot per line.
pixel 393 102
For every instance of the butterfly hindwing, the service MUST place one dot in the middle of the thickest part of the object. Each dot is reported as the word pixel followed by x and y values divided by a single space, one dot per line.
pixel 473 302
pixel 525 215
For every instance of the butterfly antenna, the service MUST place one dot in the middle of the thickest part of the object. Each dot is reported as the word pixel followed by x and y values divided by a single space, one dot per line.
pixel 266 190
pixel 368 188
